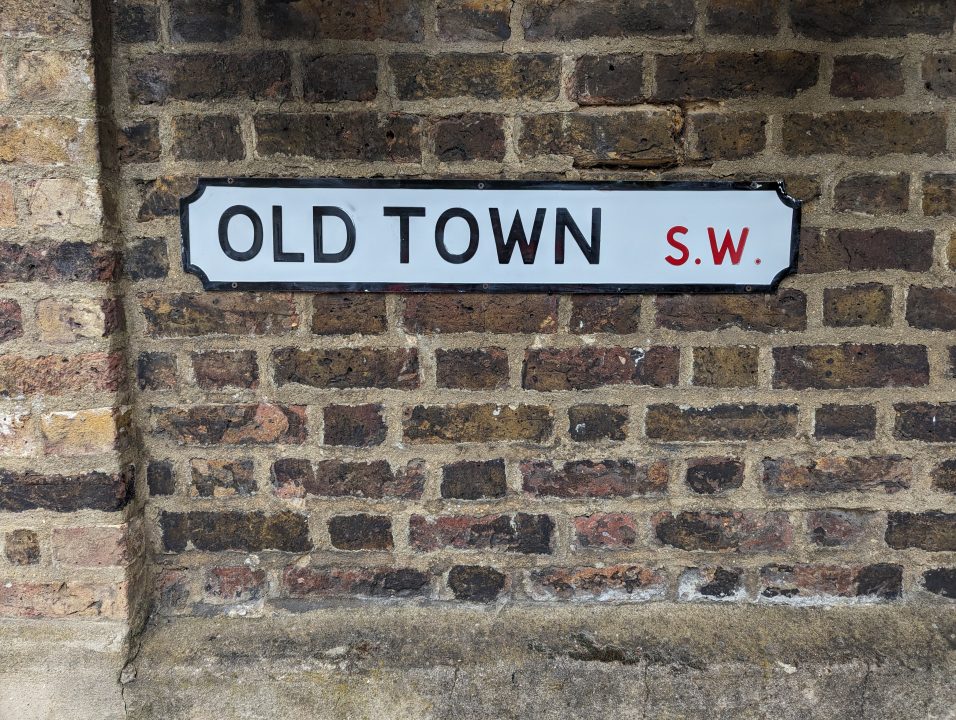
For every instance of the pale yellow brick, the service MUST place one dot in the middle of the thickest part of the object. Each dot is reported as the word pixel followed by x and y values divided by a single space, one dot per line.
pixel 64 201
pixel 66 321
pixel 100 546
pixel 83 432
pixel 17 435
pixel 40 140
pixel 53 75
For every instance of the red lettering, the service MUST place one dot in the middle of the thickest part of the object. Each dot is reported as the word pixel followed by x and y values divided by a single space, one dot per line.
pixel 727 246
pixel 677 245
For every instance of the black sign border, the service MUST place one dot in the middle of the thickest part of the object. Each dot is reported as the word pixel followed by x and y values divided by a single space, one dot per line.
pixel 776 186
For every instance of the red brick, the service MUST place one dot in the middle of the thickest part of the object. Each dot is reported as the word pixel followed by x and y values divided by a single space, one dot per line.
pixel 248 424
pixel 466 369
pixel 615 583
pixel 102 546
pixel 60 374
pixel 586 478
pixel 605 313
pixel 520 533
pixel 610 531
pixel 586 368
pixel 63 599
pixel 891 473
pixel 712 583
pixel 338 478
pixel 221 478
pixel 838 528
pixel 714 475
pixel 744 531
pixel 234 583
pixel 218 369
pixel 823 584
pixel 305 582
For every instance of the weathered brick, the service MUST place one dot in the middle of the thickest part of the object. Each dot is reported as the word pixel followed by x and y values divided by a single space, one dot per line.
pixel 556 20
pixel 156 371
pixel 726 136
pixel 11 320
pixel 474 480
pixel 39 140
pixel 838 528
pixel 615 583
pixel 160 478
pixel 944 476
pixel 714 475
pixel 876 249
pixel 354 425
pixel 587 478
pixel 938 74
pixel 207 138
pixel 204 20
pixel 234 583
pixel 192 315
pixel 743 531
pixel 741 17
pixel 295 478
pixel 932 530
pixel 359 135
pixel 53 262
pixel 864 133
pixel 475 583
pixel 875 194
pixel 53 75
pixel 734 366
pixel 858 305
pixel 330 78
pixel 221 478
pixel 64 202
pixel 83 432
pixel 92 547
pixel 217 369
pixel 711 583
pixel 430 313
pixel 585 368
pixel 823 584
pixel 941 581
pixel 866 76
pixel 63 599
pixel 641 138
pixel 520 533
pixel 399 20
pixel 850 366
pixel 845 422
pixel 471 136
pixel 785 310
pixel 8 206
pixel 939 194
pixel 345 314
pixel 235 530
pixel 387 582
pixel 204 77
pixel 605 313
pixel 607 80
pixel 483 76
pixel 160 197
pixel 250 424
pixel 474 19
pixel 65 321
pixel 20 491
pixel 465 369
pixel 590 422
pixel 891 473
pixel 171 588
pixel 60 374
pixel 22 547
pixel 838 20
pixel 361 532
pixel 477 423
pixel 926 421
pixel 605 531
pixel 720 422
pixel 722 75
pixel 931 308
pixel 347 367
pixel 17 434
pixel 135 23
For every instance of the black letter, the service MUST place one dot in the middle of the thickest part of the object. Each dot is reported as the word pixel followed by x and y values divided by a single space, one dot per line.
pixel 472 236
pixel 591 251
pixel 277 253
pixel 516 235
pixel 256 233
pixel 403 213
pixel 320 211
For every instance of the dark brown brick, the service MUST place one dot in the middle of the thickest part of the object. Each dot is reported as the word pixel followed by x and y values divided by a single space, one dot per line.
pixel 399 20
pixel 381 582
pixel 250 424
pixel 236 583
pixel 204 20
pixel 473 136
pixel 628 583
pixel 22 547
pixel 591 422
pixel 477 423
pixel 838 20
pixel 866 76
pixel 607 80
pixel 134 23
pixel 929 422
pixel 641 138
pixel 160 478
pixel 712 583
pixel 605 313
pixel 474 583
pixel 296 478
pixel 340 136
pixel 138 142
pixel 876 194
pixel 554 20
pixel 331 78
pixel 428 313
pixel 585 368
pixel 744 531
pixel 726 136
pixel 586 478
pixel 482 76
pixel 720 422
pixel 21 491
pixel 192 315
pixel 156 371
pixel 202 77
pixel 722 75
pixel 939 194
pixel 822 584
pixel 519 533
pixel 785 310
pixel 941 581
pixel 474 19
pixel 741 17
pixel 850 366
pixel 481 369
pixel 347 368
pixel 858 305
pixel 944 476
pixel 235 530
pixel 714 475
pixel 864 133
pixel 931 308
pixel 361 532
pixel 221 478
pixel 53 262
pixel 605 531
pixel 11 320
pixel 160 197
pixel 933 530
pixel 939 74
pixel 146 259
pixel 734 366
pixel 876 249
pixel 354 425
pixel 474 480
pixel 891 473
pixel 218 369
pixel 838 528
pixel 845 422
pixel 349 313
pixel 208 138
pixel 60 374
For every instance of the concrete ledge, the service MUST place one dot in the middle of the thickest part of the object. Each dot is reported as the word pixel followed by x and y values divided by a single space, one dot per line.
pixel 655 661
